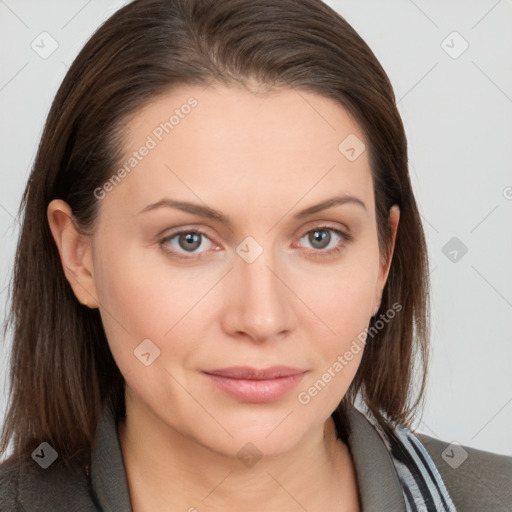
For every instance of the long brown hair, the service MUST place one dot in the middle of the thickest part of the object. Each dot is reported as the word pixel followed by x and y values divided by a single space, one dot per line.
pixel 62 370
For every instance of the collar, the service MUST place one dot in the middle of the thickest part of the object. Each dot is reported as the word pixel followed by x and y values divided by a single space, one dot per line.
pixel 378 482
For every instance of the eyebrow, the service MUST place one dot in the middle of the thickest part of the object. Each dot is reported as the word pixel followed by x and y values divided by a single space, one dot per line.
pixel 210 213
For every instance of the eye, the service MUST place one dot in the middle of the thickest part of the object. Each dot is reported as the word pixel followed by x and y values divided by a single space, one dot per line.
pixel 326 239
pixel 187 241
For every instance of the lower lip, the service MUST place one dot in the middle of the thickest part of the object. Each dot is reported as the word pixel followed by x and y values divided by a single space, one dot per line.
pixel 256 391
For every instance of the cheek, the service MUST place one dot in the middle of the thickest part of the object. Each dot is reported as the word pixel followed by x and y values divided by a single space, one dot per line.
pixel 342 294
pixel 341 300
pixel 142 300
pixel 338 351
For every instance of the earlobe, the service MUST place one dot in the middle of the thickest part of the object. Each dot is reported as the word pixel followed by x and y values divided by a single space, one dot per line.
pixel 75 252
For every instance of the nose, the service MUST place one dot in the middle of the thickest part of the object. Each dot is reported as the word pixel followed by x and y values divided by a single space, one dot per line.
pixel 258 305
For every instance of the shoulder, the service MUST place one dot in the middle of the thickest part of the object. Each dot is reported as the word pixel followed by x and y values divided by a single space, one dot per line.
pixel 8 486
pixel 32 488
pixel 475 479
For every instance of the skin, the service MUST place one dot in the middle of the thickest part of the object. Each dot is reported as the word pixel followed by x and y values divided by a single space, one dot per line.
pixel 259 158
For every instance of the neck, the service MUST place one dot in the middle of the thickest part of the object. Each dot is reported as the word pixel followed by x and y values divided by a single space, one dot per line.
pixel 169 471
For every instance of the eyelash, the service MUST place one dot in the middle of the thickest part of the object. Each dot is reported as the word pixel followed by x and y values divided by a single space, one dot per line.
pixel 345 238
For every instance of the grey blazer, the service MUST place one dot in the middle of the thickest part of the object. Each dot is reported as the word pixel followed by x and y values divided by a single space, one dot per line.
pixel 482 483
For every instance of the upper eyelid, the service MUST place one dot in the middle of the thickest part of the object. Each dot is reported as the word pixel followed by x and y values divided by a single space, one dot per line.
pixel 317 225
pixel 180 231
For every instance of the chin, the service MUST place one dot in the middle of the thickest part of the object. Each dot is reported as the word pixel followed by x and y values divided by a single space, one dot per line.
pixel 250 447
pixel 267 434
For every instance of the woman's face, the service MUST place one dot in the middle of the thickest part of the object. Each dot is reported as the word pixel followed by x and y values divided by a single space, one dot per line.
pixel 268 280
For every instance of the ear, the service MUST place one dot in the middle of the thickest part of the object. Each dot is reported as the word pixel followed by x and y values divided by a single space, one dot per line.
pixel 75 252
pixel 385 261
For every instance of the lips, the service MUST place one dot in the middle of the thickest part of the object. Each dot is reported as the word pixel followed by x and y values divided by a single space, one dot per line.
pixel 255 385
pixel 247 372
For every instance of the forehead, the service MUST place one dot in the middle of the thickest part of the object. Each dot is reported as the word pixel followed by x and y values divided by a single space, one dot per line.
pixel 220 143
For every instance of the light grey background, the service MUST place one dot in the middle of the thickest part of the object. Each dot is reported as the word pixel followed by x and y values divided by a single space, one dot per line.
pixel 457 110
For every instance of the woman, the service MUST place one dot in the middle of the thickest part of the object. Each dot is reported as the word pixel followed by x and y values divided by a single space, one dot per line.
pixel 147 375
